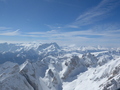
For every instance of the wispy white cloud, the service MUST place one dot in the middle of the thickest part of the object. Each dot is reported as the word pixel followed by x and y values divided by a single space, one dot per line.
pixel 57 34
pixel 115 31
pixel 88 37
pixel 10 33
pixel 56 26
pixel 25 35
pixel 40 33
pixel 96 13
pixel 72 26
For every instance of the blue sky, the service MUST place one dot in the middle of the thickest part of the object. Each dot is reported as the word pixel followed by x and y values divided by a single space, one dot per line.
pixel 79 22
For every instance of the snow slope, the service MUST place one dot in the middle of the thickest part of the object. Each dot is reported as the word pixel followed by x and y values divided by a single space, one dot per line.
pixel 50 67
pixel 106 77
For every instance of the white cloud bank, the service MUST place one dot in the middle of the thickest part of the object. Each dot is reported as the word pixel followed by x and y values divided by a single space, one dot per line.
pixel 82 38
pixel 88 37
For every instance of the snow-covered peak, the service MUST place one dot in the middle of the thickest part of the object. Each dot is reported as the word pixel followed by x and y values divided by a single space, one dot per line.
pixel 50 67
pixel 48 46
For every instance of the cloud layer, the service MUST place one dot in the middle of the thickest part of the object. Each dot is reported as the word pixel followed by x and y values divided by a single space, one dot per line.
pixel 83 37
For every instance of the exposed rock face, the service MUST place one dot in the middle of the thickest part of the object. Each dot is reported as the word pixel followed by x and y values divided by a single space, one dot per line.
pixel 48 67
pixel 30 77
pixel 89 60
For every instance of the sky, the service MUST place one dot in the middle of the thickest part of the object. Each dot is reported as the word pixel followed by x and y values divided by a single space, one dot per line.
pixel 66 22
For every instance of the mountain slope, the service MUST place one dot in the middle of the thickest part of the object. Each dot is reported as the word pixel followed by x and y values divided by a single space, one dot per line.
pixel 49 67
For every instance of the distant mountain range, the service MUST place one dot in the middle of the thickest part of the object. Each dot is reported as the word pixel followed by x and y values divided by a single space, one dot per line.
pixel 48 66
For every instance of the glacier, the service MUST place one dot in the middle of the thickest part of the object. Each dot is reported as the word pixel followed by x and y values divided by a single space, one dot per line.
pixel 48 66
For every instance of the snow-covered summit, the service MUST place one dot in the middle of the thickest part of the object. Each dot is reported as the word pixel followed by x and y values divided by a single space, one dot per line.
pixel 51 67
pixel 20 52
